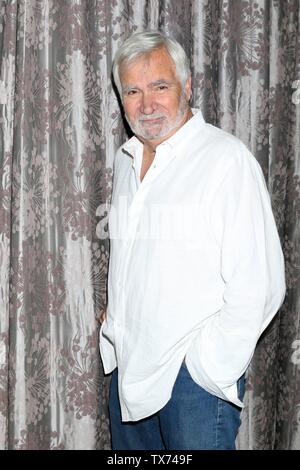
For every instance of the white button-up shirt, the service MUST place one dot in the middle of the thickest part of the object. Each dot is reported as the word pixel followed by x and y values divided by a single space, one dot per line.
pixel 196 268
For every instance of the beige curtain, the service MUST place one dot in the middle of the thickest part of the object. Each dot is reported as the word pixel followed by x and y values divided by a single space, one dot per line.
pixel 60 125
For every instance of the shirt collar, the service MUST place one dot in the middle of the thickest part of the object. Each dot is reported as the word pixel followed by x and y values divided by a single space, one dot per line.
pixel 133 145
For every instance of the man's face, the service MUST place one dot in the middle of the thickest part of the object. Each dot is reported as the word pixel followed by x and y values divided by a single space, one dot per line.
pixel 154 102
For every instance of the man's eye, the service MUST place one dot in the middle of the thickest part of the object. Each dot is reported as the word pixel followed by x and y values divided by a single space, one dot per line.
pixel 132 92
pixel 162 87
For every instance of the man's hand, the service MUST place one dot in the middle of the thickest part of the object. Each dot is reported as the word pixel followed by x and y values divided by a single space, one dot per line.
pixel 101 316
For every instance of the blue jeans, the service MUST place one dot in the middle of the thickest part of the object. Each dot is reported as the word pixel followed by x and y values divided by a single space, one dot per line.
pixel 193 419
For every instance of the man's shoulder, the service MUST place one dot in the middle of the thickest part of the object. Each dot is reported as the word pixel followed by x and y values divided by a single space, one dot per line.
pixel 219 136
pixel 227 147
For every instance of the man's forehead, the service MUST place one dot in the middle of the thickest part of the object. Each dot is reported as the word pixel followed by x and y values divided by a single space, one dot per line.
pixel 159 58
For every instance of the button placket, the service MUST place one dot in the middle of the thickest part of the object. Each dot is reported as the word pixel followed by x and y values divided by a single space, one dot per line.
pixel 163 158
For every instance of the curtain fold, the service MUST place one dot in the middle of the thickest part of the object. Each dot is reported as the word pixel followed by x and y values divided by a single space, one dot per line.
pixel 60 125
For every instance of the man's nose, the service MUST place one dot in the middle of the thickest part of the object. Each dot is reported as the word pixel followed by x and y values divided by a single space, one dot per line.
pixel 147 103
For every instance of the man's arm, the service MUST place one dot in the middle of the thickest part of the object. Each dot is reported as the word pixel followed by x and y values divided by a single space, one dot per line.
pixel 252 269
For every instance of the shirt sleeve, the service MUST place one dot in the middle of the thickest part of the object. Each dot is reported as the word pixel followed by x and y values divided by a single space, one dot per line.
pixel 252 269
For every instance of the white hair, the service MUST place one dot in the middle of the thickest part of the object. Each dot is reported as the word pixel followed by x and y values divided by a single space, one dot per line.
pixel 143 43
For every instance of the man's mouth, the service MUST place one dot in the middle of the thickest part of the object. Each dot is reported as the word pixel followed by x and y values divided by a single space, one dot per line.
pixel 151 121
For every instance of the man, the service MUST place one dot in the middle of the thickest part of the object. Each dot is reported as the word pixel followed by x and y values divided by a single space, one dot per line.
pixel 196 269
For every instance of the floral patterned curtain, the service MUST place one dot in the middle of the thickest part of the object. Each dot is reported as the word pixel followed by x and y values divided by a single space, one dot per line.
pixel 60 125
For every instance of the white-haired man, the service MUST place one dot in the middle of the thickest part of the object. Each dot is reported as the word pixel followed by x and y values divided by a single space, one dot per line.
pixel 196 269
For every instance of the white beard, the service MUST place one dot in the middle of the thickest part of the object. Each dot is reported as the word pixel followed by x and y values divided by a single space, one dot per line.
pixel 163 128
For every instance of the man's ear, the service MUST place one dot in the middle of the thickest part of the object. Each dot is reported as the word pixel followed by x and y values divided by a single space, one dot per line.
pixel 188 88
